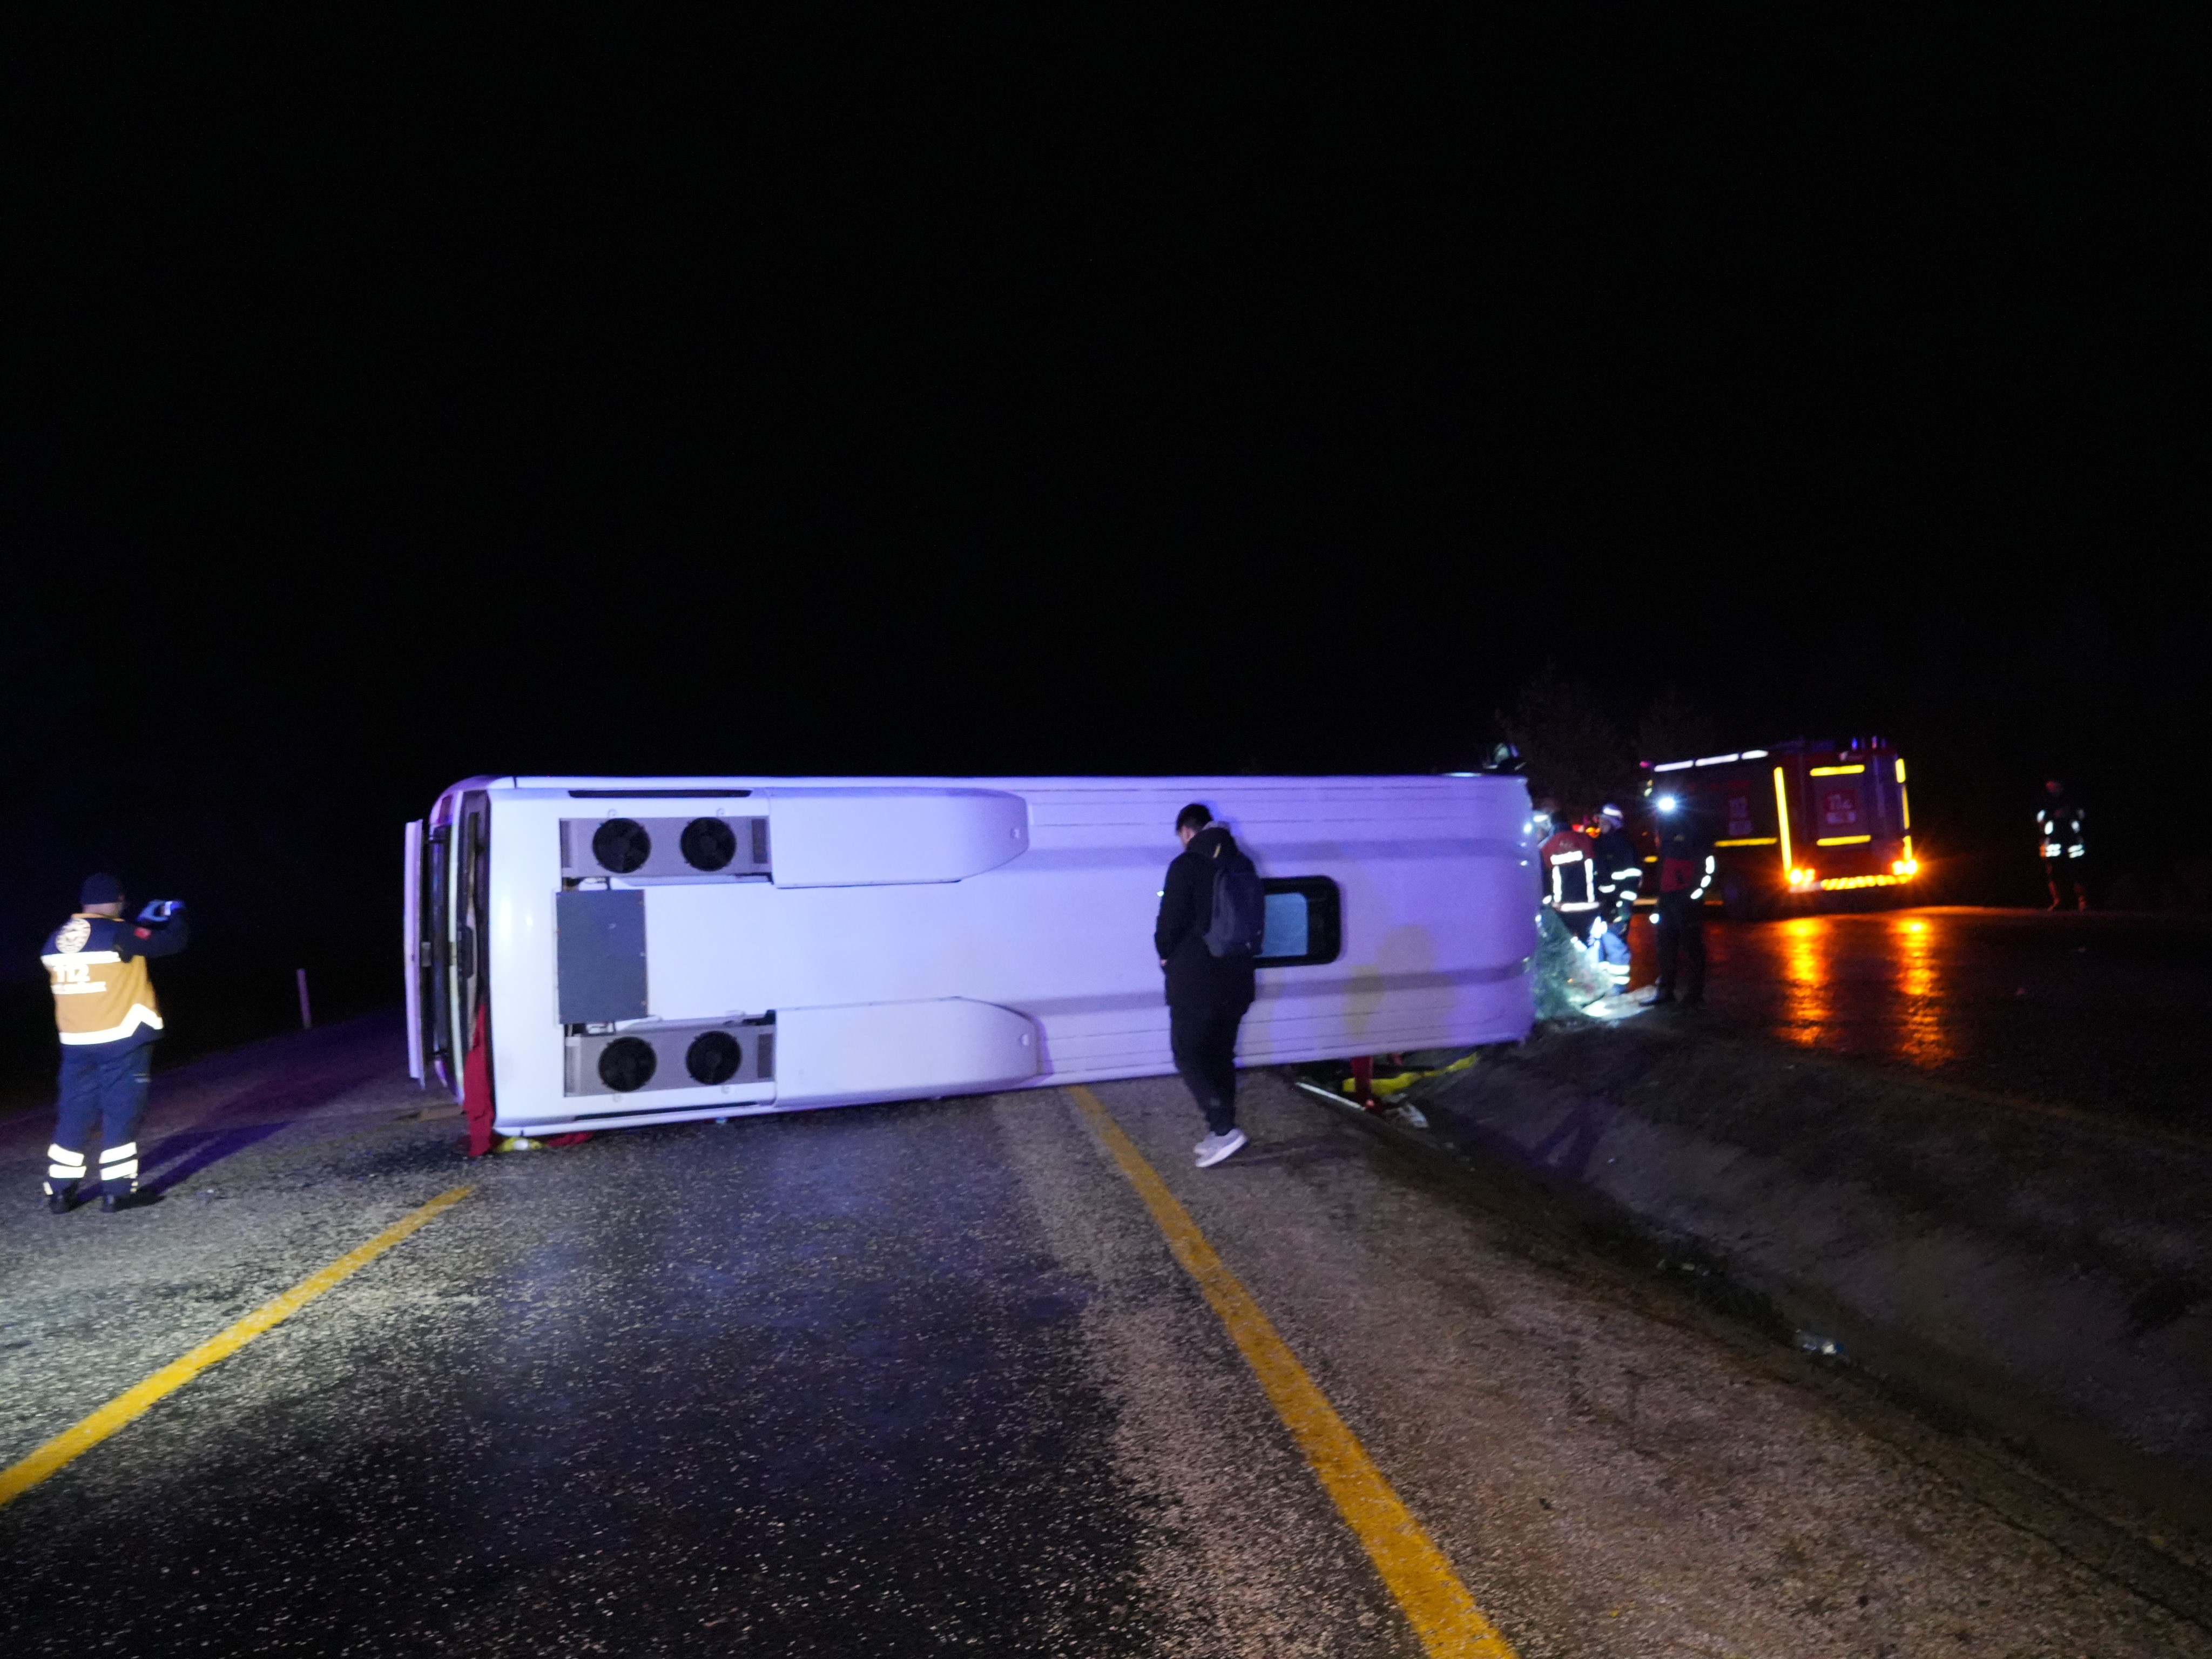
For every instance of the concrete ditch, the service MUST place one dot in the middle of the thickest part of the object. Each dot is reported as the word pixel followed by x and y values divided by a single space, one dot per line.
pixel 2039 1275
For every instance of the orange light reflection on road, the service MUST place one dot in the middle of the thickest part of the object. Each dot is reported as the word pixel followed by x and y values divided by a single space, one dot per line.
pixel 1921 1038
pixel 1806 1012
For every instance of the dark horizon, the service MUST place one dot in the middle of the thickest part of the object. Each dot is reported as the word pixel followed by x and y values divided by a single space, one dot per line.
pixel 1290 427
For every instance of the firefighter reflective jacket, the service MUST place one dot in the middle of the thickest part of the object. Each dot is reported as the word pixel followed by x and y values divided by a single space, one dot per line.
pixel 1570 873
pixel 102 992
pixel 1619 872
pixel 2058 828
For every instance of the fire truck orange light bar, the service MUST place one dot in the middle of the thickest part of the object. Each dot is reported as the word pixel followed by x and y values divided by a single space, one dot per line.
pixel 1749 841
pixel 1833 771
pixel 1837 884
pixel 1842 841
pixel 1782 809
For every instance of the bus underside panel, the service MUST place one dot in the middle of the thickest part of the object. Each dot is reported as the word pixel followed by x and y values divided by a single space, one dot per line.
pixel 665 949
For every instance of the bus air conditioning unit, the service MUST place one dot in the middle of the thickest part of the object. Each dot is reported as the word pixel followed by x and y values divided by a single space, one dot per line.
pixel 706 849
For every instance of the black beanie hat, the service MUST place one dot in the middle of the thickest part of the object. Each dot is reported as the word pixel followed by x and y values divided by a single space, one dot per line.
pixel 102 889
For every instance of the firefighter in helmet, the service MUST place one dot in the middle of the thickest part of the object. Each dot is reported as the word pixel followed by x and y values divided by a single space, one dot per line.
pixel 1619 880
pixel 2062 844
pixel 105 1007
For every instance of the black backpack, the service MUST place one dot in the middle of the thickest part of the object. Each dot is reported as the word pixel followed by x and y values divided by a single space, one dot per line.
pixel 1239 909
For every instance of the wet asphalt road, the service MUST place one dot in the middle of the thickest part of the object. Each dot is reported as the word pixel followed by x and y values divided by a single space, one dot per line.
pixel 921 1378
pixel 2109 1011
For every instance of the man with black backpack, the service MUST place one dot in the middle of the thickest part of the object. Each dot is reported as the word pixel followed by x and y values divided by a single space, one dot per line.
pixel 1213 915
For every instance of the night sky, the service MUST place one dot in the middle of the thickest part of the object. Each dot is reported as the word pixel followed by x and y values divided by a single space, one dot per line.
pixel 1089 397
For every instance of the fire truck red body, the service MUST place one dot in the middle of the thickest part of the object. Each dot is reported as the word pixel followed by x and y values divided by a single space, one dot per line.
pixel 1795 823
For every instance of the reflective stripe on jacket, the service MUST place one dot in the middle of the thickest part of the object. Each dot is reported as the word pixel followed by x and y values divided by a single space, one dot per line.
pixel 2058 830
pixel 1619 873
pixel 1570 876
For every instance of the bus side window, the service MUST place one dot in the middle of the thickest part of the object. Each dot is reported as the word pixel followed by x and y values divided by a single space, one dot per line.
pixel 1305 922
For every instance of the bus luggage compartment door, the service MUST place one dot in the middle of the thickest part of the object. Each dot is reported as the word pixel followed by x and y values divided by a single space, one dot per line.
pixel 868 1051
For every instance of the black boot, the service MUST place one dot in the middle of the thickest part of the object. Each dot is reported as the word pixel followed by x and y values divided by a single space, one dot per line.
pixel 61 1202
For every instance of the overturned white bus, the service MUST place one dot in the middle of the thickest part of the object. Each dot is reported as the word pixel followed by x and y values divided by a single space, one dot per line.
pixel 605 952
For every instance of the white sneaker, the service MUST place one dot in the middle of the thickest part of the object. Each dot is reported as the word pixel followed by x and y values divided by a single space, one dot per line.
pixel 1212 1150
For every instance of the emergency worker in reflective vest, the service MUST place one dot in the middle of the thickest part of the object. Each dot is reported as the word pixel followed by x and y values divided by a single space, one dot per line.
pixel 1570 878
pixel 1686 871
pixel 2062 843
pixel 1619 880
pixel 104 1005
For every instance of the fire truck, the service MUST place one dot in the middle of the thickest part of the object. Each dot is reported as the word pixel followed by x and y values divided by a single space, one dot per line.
pixel 1797 824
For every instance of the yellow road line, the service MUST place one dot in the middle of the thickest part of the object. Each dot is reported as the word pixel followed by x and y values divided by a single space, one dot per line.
pixel 1444 1615
pixel 73 1442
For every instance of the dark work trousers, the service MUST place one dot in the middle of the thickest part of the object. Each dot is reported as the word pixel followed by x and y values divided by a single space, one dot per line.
pixel 2068 890
pixel 1681 944
pixel 103 1084
pixel 1204 1043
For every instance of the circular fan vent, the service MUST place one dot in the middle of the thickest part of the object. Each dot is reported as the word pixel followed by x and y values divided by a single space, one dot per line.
pixel 709 844
pixel 627 1063
pixel 621 845
pixel 713 1057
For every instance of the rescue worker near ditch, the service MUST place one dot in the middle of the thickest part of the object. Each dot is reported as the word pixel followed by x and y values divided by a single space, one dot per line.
pixel 1570 876
pixel 105 1007
pixel 2062 845
pixel 1686 871
pixel 1619 880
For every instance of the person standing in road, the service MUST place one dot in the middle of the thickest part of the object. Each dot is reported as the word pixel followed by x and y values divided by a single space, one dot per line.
pixel 1619 879
pixel 108 1018
pixel 2061 840
pixel 1686 871
pixel 1206 943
